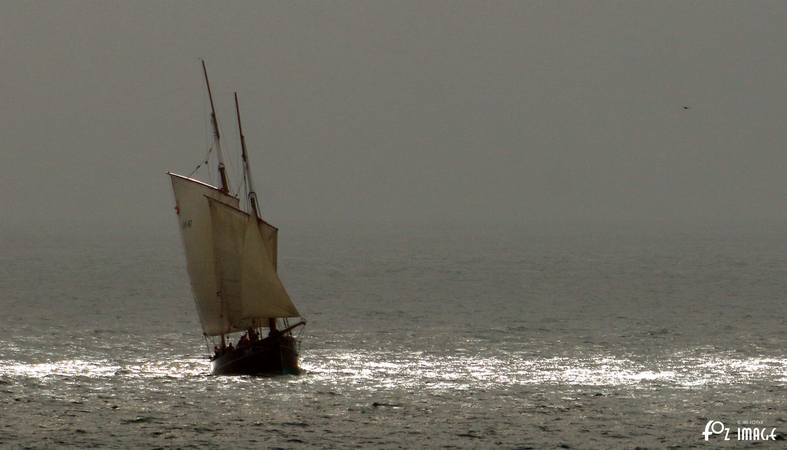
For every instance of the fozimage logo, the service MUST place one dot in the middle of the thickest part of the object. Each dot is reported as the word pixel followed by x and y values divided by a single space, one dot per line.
pixel 755 433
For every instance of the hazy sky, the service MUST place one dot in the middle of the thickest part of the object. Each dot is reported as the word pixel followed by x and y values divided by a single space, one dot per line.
pixel 427 111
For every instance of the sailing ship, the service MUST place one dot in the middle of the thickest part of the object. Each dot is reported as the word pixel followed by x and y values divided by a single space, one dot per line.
pixel 231 259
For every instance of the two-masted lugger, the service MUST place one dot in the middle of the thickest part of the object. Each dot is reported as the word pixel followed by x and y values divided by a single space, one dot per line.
pixel 231 258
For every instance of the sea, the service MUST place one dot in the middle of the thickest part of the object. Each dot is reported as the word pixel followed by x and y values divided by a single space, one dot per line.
pixel 454 336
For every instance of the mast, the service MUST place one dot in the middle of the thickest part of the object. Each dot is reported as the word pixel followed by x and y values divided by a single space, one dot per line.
pixel 225 188
pixel 252 194
pixel 246 169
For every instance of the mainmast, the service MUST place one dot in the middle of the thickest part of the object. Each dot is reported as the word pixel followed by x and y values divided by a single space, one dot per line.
pixel 246 169
pixel 225 188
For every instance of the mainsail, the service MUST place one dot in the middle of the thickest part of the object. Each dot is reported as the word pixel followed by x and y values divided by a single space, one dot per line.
pixel 196 232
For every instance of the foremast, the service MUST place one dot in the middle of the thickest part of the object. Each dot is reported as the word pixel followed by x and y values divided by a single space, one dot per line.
pixel 252 195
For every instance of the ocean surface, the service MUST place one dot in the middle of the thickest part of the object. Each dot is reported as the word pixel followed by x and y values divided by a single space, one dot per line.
pixel 417 337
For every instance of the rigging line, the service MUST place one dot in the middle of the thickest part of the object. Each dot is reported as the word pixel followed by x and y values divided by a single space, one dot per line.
pixel 207 344
pixel 243 188
pixel 240 168
pixel 231 162
pixel 237 166
pixel 242 185
pixel 204 161
pixel 206 136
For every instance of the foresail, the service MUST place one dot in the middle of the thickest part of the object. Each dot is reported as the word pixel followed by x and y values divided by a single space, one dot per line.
pixel 262 289
pixel 194 220
pixel 243 252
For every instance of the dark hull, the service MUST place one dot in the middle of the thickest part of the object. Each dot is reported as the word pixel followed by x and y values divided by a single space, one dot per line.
pixel 274 355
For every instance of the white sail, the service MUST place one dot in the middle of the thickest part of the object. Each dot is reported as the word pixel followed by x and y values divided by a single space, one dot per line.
pixel 194 221
pixel 271 236
pixel 248 285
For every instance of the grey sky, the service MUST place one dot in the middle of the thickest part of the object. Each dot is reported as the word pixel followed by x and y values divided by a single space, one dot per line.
pixel 437 111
